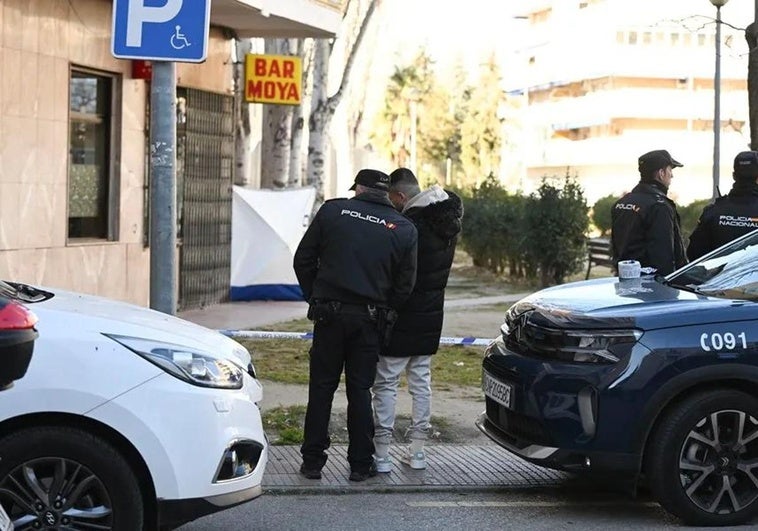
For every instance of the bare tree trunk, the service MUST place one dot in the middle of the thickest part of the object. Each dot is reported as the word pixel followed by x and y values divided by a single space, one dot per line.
pixel 319 119
pixel 277 124
pixel 751 36
pixel 296 158
pixel 275 148
pixel 323 107
pixel 243 152
pixel 298 122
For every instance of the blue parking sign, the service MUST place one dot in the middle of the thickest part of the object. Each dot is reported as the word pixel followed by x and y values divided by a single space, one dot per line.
pixel 161 30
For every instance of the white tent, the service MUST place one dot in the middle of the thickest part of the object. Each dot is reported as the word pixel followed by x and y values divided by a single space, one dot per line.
pixel 267 225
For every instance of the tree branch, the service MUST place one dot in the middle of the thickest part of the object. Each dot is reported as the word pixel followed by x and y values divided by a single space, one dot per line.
pixel 334 100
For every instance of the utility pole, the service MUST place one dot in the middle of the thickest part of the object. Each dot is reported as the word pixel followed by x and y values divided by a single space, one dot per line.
pixel 718 4
pixel 163 271
pixel 717 104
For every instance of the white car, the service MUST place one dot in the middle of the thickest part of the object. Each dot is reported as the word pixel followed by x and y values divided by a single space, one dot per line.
pixel 126 419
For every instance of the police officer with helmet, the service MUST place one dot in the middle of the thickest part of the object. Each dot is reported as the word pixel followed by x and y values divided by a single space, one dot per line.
pixel 732 215
pixel 356 264
pixel 645 223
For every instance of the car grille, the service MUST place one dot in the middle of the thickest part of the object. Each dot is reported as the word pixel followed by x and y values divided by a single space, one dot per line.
pixel 536 341
pixel 497 369
pixel 515 425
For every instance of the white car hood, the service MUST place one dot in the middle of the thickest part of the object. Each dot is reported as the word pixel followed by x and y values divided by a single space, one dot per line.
pixel 106 316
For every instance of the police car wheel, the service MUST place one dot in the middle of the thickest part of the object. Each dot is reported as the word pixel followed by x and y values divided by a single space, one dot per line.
pixel 65 478
pixel 703 462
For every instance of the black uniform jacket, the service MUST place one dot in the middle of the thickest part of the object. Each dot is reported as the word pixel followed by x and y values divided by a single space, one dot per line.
pixel 419 325
pixel 725 219
pixel 358 251
pixel 646 228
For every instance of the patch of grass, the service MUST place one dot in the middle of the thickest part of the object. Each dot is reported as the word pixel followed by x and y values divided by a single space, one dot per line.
pixel 286 361
pixel 456 365
pixel 284 425
pixel 280 360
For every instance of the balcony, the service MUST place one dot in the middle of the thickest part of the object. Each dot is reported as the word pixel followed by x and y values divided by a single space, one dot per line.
pixel 645 103
pixel 609 165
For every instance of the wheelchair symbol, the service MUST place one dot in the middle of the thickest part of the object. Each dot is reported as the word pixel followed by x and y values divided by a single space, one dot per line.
pixel 178 40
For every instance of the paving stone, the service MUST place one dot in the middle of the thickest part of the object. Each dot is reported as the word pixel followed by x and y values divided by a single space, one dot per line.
pixel 448 467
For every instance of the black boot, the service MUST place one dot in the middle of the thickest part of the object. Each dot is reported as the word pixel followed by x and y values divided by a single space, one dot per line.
pixel 309 472
pixel 363 475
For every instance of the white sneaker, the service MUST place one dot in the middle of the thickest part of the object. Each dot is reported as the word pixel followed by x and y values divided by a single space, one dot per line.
pixel 383 464
pixel 415 460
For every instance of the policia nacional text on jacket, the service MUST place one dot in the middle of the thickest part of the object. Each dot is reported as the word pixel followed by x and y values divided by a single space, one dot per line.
pixel 732 215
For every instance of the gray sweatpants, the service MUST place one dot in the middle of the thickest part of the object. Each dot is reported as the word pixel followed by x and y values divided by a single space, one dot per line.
pixel 388 371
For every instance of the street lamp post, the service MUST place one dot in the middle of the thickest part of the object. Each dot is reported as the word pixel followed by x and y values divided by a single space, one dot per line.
pixel 717 99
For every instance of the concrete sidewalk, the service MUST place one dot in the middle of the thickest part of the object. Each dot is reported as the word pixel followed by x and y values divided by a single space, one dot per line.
pixel 450 468
pixel 250 314
pixel 246 315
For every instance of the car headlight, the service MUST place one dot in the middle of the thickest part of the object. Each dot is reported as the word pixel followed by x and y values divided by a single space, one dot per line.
pixel 187 364
pixel 600 346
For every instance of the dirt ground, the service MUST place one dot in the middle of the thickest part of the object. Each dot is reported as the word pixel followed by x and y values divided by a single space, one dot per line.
pixel 453 412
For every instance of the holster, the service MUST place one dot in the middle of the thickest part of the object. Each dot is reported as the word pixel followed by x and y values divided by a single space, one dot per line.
pixel 323 312
pixel 386 321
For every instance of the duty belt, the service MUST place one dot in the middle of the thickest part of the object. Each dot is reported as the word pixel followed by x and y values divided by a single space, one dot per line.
pixel 357 308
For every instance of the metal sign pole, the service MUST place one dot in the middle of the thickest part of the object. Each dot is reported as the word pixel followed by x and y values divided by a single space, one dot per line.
pixel 163 268
pixel 175 31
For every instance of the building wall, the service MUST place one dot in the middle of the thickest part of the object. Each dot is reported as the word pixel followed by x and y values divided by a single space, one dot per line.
pixel 41 41
pixel 604 81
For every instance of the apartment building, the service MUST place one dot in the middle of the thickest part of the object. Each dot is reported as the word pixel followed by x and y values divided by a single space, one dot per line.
pixel 74 130
pixel 599 82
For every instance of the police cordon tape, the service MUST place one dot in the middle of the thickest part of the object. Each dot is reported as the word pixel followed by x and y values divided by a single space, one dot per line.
pixel 263 334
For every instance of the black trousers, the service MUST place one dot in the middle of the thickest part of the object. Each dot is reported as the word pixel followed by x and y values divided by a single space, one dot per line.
pixel 352 341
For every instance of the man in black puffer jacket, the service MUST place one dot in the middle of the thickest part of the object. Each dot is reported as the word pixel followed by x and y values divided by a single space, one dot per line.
pixel 437 215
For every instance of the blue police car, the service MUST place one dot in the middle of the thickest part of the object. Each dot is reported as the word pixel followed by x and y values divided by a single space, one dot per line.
pixel 653 380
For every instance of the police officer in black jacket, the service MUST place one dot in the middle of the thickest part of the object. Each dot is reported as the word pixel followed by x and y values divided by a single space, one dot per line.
pixel 646 225
pixel 732 215
pixel 356 264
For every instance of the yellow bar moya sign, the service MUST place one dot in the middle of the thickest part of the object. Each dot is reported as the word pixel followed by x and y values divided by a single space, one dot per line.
pixel 273 79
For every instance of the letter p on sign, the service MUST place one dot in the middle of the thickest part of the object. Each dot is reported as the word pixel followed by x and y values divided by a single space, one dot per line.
pixel 139 13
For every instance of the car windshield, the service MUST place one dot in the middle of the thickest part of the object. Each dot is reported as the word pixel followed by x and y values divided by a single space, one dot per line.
pixel 731 271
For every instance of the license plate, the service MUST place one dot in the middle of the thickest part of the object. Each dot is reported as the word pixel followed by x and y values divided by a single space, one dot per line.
pixel 5 521
pixel 498 391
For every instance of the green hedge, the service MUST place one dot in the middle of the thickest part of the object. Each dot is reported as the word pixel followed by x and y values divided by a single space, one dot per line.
pixel 601 214
pixel 536 237
pixel 540 237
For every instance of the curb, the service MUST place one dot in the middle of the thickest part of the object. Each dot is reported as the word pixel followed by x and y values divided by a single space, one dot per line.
pixel 409 489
